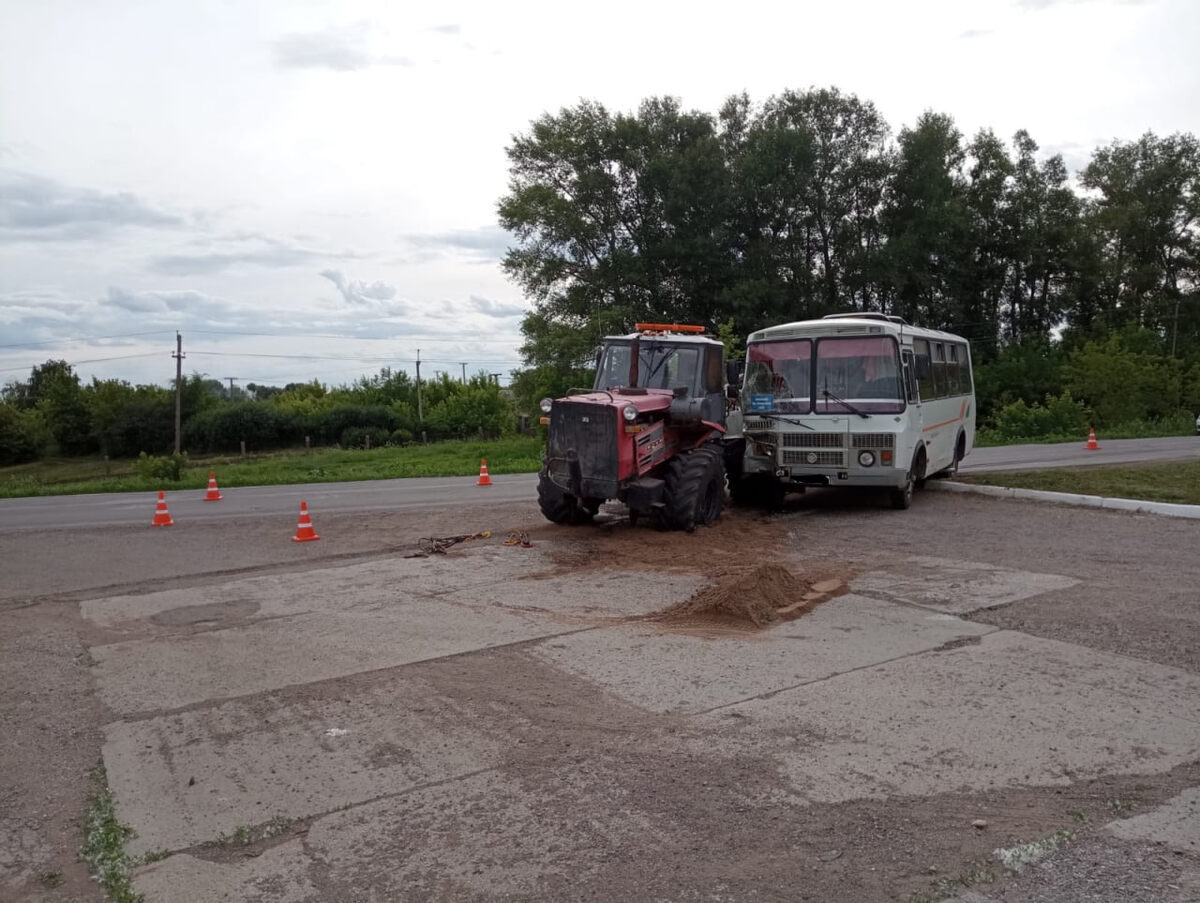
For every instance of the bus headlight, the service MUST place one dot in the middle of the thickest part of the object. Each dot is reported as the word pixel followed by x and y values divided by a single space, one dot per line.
pixel 866 458
pixel 546 404
pixel 629 413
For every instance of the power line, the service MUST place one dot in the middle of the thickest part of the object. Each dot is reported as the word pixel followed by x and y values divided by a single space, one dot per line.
pixel 97 360
pixel 466 337
pixel 95 338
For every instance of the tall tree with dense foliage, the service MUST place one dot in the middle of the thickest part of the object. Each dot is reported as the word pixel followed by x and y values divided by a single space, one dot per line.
pixel 1144 221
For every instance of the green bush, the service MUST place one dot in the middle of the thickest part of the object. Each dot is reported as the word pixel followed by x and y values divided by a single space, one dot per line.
pixel 167 467
pixel 356 437
pixel 331 425
pixel 400 437
pixel 260 426
pixel 22 435
pixel 1060 416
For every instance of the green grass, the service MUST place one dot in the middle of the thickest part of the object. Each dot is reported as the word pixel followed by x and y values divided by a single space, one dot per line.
pixel 104 838
pixel 520 454
pixel 1176 481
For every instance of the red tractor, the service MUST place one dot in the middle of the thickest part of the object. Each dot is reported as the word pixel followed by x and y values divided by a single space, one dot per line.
pixel 648 433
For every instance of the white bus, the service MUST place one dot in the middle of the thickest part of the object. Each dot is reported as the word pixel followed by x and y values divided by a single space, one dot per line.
pixel 855 399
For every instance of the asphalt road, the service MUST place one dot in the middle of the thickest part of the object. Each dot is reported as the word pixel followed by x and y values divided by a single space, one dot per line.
pixel 1073 454
pixel 133 508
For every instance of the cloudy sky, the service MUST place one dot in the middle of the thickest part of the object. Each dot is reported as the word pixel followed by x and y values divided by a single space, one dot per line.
pixel 308 189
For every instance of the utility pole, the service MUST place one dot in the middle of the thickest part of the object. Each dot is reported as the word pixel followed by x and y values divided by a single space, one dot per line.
pixel 420 410
pixel 231 379
pixel 464 366
pixel 178 355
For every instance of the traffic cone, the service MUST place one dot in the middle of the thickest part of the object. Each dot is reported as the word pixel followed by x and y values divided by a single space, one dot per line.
pixel 304 529
pixel 1092 444
pixel 162 517
pixel 484 479
pixel 213 494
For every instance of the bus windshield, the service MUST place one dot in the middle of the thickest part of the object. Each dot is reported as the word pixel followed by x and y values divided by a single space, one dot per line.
pixel 782 370
pixel 859 373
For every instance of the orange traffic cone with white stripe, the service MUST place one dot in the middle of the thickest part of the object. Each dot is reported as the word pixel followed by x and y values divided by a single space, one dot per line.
pixel 162 517
pixel 1092 444
pixel 213 494
pixel 484 479
pixel 304 529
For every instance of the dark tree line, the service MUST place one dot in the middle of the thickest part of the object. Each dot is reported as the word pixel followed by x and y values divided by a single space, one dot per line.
pixel 806 205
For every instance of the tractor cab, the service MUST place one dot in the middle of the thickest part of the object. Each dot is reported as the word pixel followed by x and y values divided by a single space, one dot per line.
pixel 674 360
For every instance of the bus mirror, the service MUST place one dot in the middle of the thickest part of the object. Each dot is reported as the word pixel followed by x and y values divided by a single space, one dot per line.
pixel 731 391
pixel 733 372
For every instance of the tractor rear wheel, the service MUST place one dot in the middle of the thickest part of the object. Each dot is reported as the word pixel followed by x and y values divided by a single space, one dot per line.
pixel 557 505
pixel 695 488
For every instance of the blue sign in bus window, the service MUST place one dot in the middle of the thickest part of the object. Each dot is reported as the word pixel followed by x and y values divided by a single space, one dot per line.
pixel 762 402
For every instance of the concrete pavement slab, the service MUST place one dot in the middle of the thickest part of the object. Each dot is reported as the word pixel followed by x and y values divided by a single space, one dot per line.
pixel 278 875
pixel 1012 711
pixel 957 587
pixel 357 618
pixel 1175 824
pixel 186 778
pixel 363 584
pixel 665 671
pixel 488 836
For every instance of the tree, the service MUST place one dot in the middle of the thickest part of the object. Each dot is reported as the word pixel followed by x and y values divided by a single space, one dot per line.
pixel 925 217
pixel 1145 225
pixel 53 390
pixel 617 219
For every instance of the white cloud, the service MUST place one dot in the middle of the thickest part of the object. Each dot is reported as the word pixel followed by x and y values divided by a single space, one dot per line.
pixel 33 208
pixel 345 49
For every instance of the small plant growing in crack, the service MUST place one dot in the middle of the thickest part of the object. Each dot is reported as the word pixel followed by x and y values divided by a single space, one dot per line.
pixel 244 835
pixel 1017 858
pixel 104 838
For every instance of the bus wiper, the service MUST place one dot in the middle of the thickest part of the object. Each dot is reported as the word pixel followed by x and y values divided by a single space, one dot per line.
pixel 828 395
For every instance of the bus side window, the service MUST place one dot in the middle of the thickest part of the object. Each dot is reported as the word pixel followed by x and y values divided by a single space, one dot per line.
pixel 941 381
pixel 910 376
pixel 968 385
pixel 954 369
pixel 924 369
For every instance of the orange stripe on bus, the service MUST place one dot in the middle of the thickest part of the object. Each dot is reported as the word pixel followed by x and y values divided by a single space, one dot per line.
pixel 943 423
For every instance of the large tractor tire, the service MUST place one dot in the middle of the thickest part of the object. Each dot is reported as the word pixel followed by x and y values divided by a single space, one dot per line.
pixel 695 489
pixel 559 506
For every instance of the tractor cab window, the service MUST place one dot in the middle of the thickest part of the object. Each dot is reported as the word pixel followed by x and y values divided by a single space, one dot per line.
pixel 668 365
pixel 661 365
pixel 613 367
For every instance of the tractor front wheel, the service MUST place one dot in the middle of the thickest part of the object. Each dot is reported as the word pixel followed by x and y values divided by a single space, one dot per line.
pixel 695 489
pixel 558 506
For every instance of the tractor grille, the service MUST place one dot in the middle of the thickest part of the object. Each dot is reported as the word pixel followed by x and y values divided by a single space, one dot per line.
pixel 592 431
pixel 873 440
pixel 814 440
pixel 796 457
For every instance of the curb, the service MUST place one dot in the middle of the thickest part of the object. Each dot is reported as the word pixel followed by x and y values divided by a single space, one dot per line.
pixel 1166 509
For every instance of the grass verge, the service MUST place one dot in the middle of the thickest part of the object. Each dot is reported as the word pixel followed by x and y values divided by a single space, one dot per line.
pixel 1176 481
pixel 517 454
pixel 104 839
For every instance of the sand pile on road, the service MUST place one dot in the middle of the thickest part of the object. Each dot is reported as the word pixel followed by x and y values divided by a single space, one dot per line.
pixel 761 595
